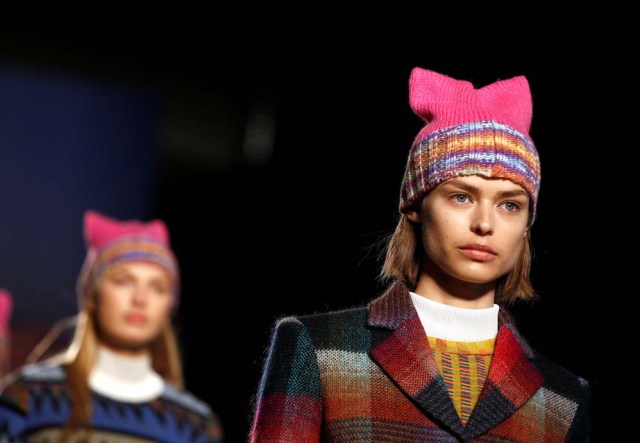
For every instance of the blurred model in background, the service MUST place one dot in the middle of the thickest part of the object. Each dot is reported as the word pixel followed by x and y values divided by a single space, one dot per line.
pixel 121 377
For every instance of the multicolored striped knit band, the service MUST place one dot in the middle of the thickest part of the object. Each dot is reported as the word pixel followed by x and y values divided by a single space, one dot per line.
pixel 486 148
pixel 127 249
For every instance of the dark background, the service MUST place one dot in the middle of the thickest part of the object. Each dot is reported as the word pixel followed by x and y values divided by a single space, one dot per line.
pixel 277 167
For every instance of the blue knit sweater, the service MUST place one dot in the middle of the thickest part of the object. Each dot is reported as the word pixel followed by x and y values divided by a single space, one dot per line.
pixel 35 406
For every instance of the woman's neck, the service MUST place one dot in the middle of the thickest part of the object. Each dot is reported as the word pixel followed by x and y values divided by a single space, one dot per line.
pixel 125 377
pixel 123 366
pixel 443 288
pixel 456 323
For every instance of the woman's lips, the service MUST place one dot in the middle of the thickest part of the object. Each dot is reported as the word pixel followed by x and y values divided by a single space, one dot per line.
pixel 478 252
pixel 136 319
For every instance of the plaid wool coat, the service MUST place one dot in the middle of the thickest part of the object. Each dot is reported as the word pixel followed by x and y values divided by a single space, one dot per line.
pixel 368 375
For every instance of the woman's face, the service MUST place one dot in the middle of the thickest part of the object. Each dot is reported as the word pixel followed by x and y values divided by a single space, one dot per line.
pixel 133 306
pixel 473 228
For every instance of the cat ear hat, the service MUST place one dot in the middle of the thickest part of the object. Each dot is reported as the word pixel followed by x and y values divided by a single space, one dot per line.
pixel 111 241
pixel 470 131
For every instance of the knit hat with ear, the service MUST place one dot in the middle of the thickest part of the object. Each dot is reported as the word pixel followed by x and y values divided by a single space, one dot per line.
pixel 470 131
pixel 111 241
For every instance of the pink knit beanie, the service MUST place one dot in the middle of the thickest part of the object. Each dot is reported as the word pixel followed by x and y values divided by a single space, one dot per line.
pixel 110 241
pixel 470 131
pixel 6 308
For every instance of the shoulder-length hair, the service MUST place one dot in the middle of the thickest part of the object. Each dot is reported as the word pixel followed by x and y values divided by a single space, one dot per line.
pixel 404 255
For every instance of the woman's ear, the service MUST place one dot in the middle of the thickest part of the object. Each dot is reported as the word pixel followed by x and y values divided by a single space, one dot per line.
pixel 414 216
pixel 90 302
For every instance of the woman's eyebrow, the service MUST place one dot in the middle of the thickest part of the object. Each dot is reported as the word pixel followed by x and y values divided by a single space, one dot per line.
pixel 514 193
pixel 473 188
pixel 117 272
pixel 461 185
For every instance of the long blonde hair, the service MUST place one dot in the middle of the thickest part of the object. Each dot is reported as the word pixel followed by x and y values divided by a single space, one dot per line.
pixel 80 357
pixel 404 256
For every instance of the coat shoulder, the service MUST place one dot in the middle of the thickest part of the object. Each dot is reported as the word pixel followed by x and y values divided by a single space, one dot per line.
pixel 339 329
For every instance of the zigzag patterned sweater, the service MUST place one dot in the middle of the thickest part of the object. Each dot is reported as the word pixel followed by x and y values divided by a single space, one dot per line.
pixel 35 407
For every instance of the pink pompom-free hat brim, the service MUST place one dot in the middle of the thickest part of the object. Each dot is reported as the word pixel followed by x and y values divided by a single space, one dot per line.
pixel 470 131
pixel 111 241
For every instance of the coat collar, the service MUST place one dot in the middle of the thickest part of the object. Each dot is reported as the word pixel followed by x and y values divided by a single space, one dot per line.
pixel 402 351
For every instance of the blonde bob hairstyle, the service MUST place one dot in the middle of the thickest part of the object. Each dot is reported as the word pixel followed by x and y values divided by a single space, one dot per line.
pixel 404 255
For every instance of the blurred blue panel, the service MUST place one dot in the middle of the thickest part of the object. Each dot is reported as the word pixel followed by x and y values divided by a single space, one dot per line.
pixel 67 143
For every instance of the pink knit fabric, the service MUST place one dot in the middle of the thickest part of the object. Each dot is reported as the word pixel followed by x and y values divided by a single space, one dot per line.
pixel 6 308
pixel 470 131
pixel 111 241
pixel 100 230
pixel 443 101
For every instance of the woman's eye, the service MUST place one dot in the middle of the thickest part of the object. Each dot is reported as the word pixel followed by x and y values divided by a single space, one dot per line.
pixel 511 206
pixel 119 281
pixel 160 288
pixel 460 198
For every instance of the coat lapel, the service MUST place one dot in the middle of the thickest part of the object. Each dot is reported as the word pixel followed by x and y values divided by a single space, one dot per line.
pixel 512 380
pixel 402 351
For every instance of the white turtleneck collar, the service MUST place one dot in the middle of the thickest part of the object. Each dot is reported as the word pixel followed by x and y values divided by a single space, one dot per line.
pixel 454 323
pixel 125 378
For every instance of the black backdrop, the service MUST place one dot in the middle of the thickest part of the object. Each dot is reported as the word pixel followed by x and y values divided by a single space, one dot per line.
pixel 299 231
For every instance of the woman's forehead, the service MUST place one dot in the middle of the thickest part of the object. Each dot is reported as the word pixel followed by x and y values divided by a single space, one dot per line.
pixel 480 182
pixel 138 266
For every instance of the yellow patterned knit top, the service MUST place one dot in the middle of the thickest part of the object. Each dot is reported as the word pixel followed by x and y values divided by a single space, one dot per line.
pixel 464 367
pixel 462 341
